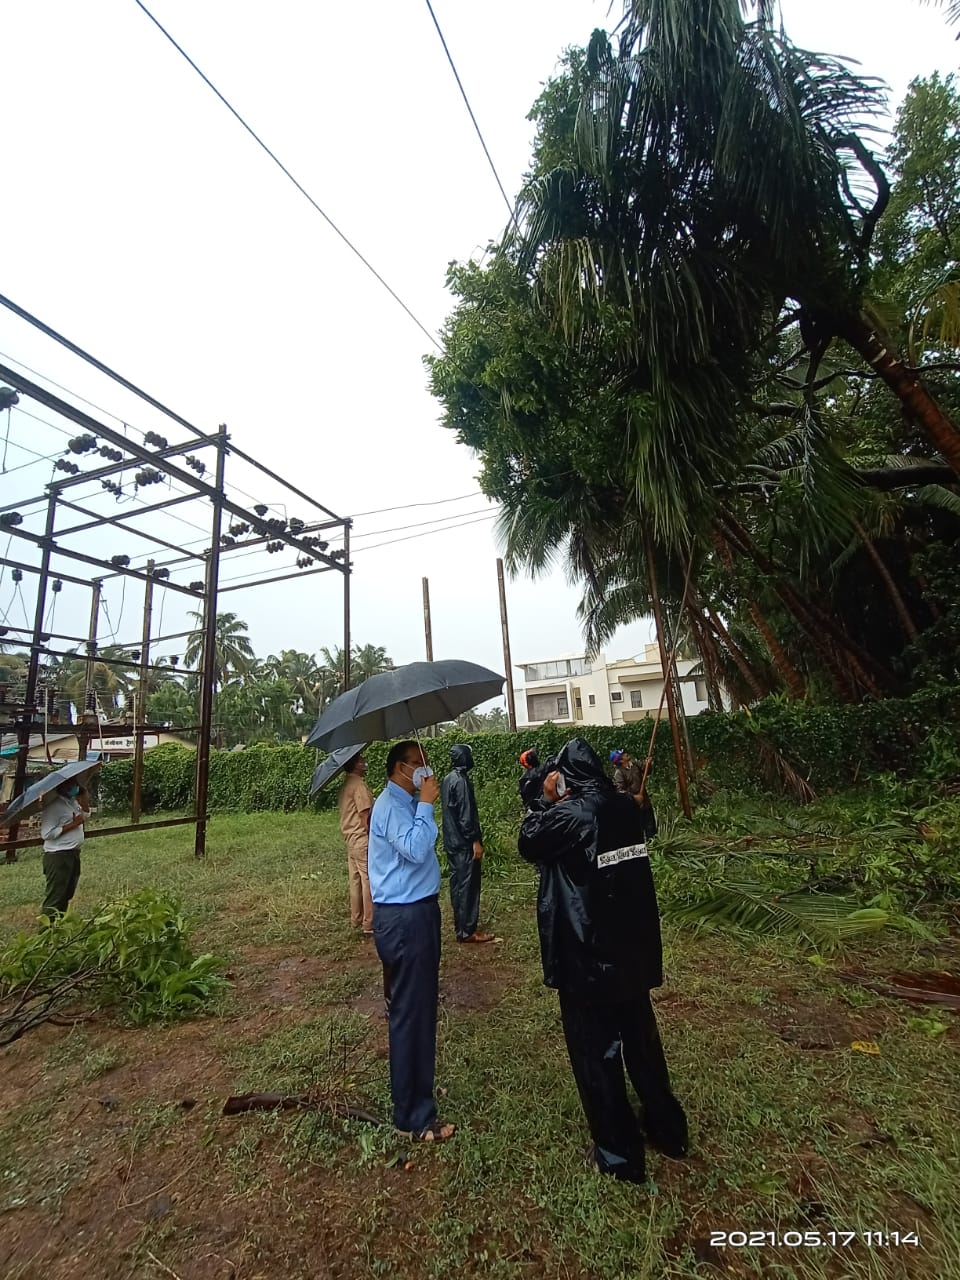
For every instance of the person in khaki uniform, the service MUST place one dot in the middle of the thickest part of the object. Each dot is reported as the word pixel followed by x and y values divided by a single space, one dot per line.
pixel 355 804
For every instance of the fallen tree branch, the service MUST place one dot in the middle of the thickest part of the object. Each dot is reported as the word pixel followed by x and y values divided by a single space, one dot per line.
pixel 244 1102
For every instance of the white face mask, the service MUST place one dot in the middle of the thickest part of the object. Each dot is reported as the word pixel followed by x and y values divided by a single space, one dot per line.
pixel 420 772
pixel 561 786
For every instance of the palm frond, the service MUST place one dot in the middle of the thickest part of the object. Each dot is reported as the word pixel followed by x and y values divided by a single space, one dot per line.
pixel 952 7
pixel 822 920
pixel 936 495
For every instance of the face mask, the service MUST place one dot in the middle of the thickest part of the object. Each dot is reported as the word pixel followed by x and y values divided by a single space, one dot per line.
pixel 73 791
pixel 422 771
pixel 561 786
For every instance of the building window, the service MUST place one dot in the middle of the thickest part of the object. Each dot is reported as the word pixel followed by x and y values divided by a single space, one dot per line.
pixel 616 695
pixel 547 706
pixel 592 699
pixel 636 699
pixel 559 670
pixel 701 688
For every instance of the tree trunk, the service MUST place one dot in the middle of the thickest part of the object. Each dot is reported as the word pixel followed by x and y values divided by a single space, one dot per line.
pixel 844 660
pixel 666 663
pixel 707 648
pixel 886 577
pixel 788 672
pixel 918 404
pixel 738 656
pixel 790 675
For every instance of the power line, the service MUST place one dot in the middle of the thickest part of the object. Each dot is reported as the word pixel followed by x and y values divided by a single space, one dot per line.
pixel 408 506
pixel 283 168
pixel 466 103
pixel 419 524
pixel 235 488
pixel 411 536
pixel 390 542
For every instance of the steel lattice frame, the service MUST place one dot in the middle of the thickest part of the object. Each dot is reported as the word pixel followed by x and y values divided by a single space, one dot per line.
pixel 54 546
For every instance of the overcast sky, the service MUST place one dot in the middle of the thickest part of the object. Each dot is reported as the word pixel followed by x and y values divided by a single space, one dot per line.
pixel 141 221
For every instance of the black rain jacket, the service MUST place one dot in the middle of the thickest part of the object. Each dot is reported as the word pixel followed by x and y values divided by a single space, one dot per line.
pixel 598 918
pixel 531 782
pixel 461 820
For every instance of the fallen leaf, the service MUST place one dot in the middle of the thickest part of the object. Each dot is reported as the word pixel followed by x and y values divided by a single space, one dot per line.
pixel 866 1046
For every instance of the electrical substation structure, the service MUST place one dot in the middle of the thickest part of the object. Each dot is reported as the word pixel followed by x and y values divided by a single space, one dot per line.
pixel 194 466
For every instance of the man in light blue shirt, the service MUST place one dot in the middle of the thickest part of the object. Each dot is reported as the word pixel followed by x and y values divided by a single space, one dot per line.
pixel 405 883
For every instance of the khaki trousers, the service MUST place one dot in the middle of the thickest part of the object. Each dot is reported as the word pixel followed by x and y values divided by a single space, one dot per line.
pixel 361 904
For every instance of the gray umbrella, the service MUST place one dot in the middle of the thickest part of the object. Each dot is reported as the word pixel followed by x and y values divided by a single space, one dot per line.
pixel 401 701
pixel 32 799
pixel 328 769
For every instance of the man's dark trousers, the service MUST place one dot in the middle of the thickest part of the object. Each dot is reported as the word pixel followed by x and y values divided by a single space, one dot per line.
pixel 407 936
pixel 465 872
pixel 62 872
pixel 602 1039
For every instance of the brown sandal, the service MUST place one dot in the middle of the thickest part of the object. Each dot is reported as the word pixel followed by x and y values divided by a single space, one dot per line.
pixel 433 1133
pixel 479 937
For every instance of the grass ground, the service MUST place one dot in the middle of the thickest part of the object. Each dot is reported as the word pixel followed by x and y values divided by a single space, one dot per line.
pixel 116 1163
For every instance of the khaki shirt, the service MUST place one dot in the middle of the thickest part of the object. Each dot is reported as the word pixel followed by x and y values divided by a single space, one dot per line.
pixel 355 803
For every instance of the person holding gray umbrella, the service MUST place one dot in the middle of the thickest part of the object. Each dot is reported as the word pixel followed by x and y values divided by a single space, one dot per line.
pixel 355 804
pixel 402 859
pixel 405 885
pixel 61 798
pixel 61 828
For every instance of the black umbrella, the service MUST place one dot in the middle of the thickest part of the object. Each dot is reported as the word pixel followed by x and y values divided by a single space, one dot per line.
pixel 32 799
pixel 404 700
pixel 328 769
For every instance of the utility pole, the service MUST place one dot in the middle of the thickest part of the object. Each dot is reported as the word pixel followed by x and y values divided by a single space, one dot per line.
pixel 26 719
pixel 505 630
pixel 427 625
pixel 140 705
pixel 428 636
pixel 89 690
pixel 666 663
pixel 346 605
pixel 209 653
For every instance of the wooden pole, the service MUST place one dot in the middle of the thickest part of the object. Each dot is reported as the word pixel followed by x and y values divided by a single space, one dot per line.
pixel 428 637
pixel 427 624
pixel 505 631
pixel 89 691
pixel 665 663
pixel 140 706
pixel 29 710
pixel 346 605
pixel 209 652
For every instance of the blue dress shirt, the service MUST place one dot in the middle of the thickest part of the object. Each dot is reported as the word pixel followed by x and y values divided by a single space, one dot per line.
pixel 401 854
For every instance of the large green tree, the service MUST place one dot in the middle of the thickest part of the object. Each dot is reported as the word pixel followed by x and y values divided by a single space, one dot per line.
pixel 648 356
pixel 233 652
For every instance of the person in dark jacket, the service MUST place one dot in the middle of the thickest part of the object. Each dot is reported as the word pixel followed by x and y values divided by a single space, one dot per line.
pixel 532 778
pixel 463 841
pixel 600 945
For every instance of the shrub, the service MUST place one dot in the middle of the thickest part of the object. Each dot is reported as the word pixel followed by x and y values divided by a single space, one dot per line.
pixel 132 955
pixel 830 746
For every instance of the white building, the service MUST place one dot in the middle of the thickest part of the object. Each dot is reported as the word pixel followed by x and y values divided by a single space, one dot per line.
pixel 581 690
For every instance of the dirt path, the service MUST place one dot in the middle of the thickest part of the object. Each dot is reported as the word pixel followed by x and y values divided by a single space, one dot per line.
pixel 118 1164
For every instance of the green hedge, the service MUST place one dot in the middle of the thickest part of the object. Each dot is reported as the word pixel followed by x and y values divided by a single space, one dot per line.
pixel 831 746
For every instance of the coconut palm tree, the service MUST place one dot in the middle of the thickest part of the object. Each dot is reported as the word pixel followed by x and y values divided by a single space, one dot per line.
pixel 233 653
pixel 304 675
pixel 331 672
pixel 369 660
pixel 718 189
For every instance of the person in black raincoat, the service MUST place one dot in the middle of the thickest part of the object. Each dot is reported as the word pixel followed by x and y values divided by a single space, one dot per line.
pixel 531 781
pixel 463 841
pixel 600 945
